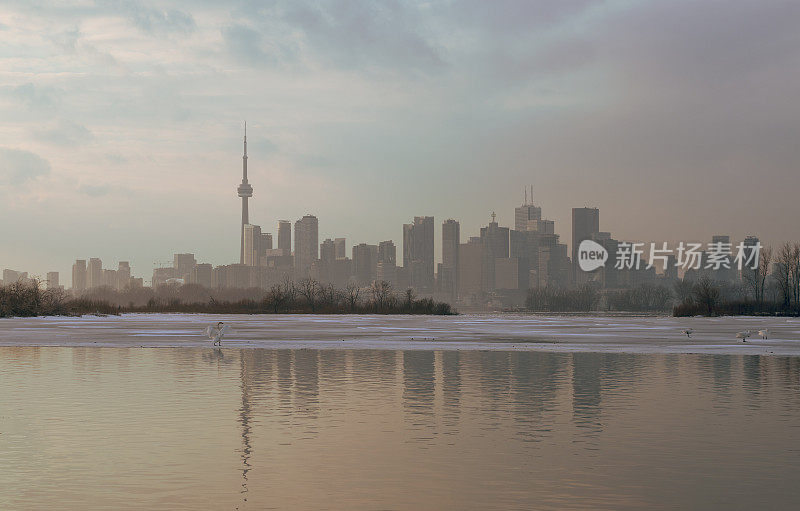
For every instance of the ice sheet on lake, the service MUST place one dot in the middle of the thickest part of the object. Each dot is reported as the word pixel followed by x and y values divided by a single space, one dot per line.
pixel 478 331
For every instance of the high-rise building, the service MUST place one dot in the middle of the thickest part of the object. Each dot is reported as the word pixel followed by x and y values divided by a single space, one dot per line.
pixel 418 247
pixel 94 273
pixel 110 278
pixel 365 259
pixel 12 276
pixel 285 236
pixel 340 248
pixel 495 240
pixel 750 243
pixel 79 275
pixel 471 257
pixel 448 274
pixel 266 241
pixel 245 191
pixel 527 216
pixel 327 251
pixel 183 264
pixel 585 224
pixel 123 275
pixel 386 268
pixel 52 280
pixel 202 274
pixel 252 244
pixel 306 244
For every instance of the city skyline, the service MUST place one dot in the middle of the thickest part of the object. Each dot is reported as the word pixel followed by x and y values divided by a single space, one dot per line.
pixel 120 124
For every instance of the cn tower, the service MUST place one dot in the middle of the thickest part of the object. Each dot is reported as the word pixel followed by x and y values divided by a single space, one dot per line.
pixel 245 192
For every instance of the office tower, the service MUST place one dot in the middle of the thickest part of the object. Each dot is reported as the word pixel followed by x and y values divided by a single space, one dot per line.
pixel 365 259
pixel 386 268
pixel 341 249
pixel 123 275
pixel 285 236
pixel 727 272
pixel 79 275
pixel 585 223
pixel 495 240
pixel 448 274
pixel 110 278
pixel 94 273
pixel 52 280
pixel 183 264
pixel 747 272
pixel 306 244
pixel 266 241
pixel 671 268
pixel 527 216
pixel 327 251
pixel 470 270
pixel 418 246
pixel 12 276
pixel 252 243
pixel 245 191
pixel 202 275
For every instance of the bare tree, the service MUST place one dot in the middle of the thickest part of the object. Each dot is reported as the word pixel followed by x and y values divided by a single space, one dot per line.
pixel 275 298
pixel 289 292
pixel 794 270
pixel 706 294
pixel 783 272
pixel 309 288
pixel 683 290
pixel 352 295
pixel 410 297
pixel 755 278
pixel 381 290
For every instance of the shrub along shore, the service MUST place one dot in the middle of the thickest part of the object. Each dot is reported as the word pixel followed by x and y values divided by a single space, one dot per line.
pixel 26 299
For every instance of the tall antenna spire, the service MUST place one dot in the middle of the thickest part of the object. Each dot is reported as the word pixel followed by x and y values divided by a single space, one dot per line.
pixel 526 197
pixel 245 191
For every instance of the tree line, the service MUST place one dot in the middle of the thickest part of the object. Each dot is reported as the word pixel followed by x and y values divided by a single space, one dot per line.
pixel 288 297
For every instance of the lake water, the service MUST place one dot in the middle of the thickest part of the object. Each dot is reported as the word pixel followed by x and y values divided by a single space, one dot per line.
pixel 254 428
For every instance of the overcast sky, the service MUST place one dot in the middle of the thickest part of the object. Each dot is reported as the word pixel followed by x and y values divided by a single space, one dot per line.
pixel 121 121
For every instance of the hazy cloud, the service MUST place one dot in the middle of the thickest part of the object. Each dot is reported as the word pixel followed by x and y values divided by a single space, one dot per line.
pixel 65 133
pixel 45 97
pixel 19 166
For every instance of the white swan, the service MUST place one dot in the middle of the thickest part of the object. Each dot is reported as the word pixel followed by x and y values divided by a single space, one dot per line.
pixel 215 333
pixel 743 335
pixel 764 334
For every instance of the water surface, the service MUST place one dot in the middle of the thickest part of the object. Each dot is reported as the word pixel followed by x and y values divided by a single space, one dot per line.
pixel 192 428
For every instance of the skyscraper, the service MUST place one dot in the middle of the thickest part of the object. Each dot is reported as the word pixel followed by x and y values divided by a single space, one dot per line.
pixel 252 244
pixel 245 192
pixel 365 263
pixel 340 247
pixel 386 268
pixel 418 248
pixel 528 215
pixel 79 275
pixel 327 251
pixel 183 264
pixel 52 280
pixel 585 224
pixel 285 236
pixel 306 244
pixel 123 275
pixel 448 275
pixel 94 273
pixel 495 240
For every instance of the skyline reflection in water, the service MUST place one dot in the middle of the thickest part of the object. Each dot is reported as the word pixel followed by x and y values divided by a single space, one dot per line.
pixel 95 428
